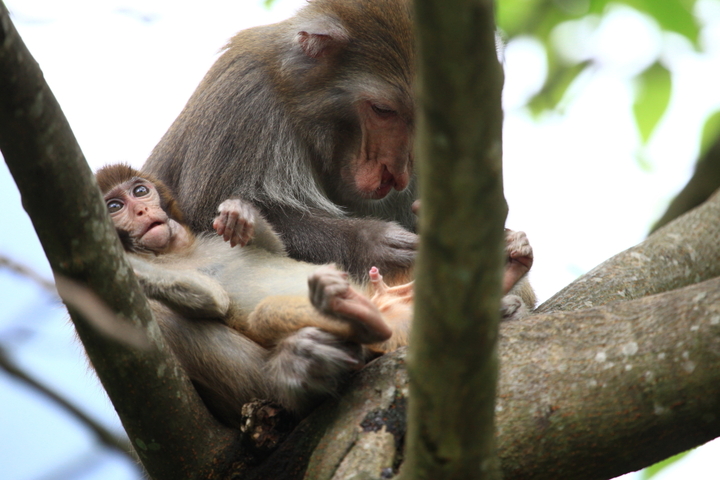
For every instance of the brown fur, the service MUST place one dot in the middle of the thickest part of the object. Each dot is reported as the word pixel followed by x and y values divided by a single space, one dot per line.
pixel 282 120
pixel 110 175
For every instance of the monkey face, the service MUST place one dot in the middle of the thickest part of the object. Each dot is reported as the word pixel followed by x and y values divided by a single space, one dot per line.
pixel 134 207
pixel 384 161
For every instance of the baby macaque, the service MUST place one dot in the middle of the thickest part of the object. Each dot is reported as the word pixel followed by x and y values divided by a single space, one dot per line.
pixel 207 297
pixel 250 321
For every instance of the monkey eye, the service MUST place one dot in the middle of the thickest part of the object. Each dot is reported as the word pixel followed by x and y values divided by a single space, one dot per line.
pixel 382 111
pixel 115 206
pixel 141 191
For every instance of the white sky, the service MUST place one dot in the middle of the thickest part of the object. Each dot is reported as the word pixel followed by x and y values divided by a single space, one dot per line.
pixel 122 70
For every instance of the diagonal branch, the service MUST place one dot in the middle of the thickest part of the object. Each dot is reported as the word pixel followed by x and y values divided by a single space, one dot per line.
pixel 104 435
pixel 683 252
pixel 595 393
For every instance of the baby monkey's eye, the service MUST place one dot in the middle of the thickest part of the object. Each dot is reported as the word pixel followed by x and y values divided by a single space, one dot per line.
pixel 141 191
pixel 115 206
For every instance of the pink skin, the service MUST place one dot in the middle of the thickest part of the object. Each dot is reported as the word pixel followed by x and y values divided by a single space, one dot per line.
pixel 331 293
pixel 385 157
pixel 235 222
pixel 134 206
pixel 388 298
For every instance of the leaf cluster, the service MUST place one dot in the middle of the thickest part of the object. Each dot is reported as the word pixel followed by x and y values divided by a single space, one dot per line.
pixel 543 19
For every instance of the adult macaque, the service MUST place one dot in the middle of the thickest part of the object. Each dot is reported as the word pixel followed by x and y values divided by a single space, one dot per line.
pixel 311 120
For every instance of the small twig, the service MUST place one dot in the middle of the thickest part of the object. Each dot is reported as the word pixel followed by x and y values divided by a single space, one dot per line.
pixel 97 312
pixel 28 272
pixel 84 300
pixel 106 437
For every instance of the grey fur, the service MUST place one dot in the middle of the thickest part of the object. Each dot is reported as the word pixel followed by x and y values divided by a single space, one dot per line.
pixel 274 126
pixel 191 301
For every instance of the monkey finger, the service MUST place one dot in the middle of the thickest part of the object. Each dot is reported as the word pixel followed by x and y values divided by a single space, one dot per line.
pixel 416 207
pixel 404 240
pixel 405 290
pixel 523 251
pixel 524 260
pixel 331 291
pixel 219 224
pixel 235 239
pixel 363 315
pixel 247 233
pixel 325 284
pixel 230 226
pixel 514 271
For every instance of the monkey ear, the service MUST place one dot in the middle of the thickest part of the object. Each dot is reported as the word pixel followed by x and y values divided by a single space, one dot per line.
pixel 322 39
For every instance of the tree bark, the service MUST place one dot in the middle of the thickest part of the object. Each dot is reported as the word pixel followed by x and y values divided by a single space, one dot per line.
pixel 583 395
pixel 453 357
pixel 682 253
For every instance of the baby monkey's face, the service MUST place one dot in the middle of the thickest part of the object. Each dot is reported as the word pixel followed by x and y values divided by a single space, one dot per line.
pixel 135 208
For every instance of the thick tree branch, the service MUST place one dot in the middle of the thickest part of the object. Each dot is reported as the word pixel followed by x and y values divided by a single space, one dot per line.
pixel 596 393
pixel 585 395
pixel 682 253
pixel 170 428
pixel 453 361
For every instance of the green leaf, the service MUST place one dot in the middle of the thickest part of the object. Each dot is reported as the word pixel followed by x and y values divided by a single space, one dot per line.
pixel 512 15
pixel 710 132
pixel 598 6
pixel 531 17
pixel 559 79
pixel 653 470
pixel 652 99
pixel 538 17
pixel 268 3
pixel 672 15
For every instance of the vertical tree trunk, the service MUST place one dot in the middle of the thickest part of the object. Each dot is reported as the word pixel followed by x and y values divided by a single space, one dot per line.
pixel 452 360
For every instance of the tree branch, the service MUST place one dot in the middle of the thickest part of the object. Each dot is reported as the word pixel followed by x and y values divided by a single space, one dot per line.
pixel 453 358
pixel 681 253
pixel 703 183
pixel 170 428
pixel 596 393
pixel 584 395
pixel 29 273
pixel 104 435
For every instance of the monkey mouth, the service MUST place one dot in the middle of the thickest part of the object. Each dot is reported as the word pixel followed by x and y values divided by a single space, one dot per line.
pixel 387 183
pixel 382 191
pixel 153 225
